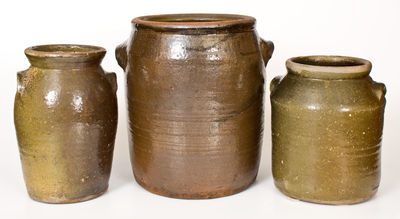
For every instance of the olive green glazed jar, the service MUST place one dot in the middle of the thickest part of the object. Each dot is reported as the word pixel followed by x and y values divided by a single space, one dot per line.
pixel 66 118
pixel 327 121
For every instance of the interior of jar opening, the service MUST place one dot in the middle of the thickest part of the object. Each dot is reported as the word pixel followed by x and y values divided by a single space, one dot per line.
pixel 192 18
pixel 65 48
pixel 328 61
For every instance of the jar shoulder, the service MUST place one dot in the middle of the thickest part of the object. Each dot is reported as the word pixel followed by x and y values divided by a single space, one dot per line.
pixel 343 95
pixel 212 47
pixel 68 79
pixel 76 90
pixel 224 66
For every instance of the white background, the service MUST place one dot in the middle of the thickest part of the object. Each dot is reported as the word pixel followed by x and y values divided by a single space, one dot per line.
pixel 362 28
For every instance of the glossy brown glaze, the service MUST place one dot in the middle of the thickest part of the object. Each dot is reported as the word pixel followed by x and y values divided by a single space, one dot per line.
pixel 195 95
pixel 66 119
pixel 327 121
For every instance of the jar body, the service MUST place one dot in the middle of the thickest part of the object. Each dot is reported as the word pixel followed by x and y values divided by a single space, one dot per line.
pixel 326 138
pixel 195 111
pixel 66 122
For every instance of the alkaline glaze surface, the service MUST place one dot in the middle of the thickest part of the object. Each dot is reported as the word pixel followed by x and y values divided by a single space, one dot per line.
pixel 327 121
pixel 195 95
pixel 66 119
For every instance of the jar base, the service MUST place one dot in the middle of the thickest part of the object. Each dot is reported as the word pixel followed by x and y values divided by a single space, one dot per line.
pixel 324 202
pixel 203 195
pixel 67 201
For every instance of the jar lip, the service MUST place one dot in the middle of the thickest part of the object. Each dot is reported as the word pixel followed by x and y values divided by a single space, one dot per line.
pixel 65 51
pixel 329 67
pixel 194 21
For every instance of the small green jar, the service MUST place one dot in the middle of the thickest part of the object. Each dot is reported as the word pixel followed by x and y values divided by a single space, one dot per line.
pixel 65 116
pixel 327 121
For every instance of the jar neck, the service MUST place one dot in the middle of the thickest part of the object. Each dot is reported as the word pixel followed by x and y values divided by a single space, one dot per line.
pixel 64 62
pixel 329 67
pixel 65 56
pixel 198 24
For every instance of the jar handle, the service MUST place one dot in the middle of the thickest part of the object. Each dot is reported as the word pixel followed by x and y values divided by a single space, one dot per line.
pixel 267 48
pixel 112 79
pixel 121 55
pixel 379 90
pixel 274 83
pixel 21 75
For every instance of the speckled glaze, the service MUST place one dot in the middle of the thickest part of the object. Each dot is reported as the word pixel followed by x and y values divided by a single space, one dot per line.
pixel 327 121
pixel 195 94
pixel 66 118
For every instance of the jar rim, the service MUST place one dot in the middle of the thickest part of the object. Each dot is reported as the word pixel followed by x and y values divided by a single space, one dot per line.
pixel 64 50
pixel 194 21
pixel 329 67
pixel 64 55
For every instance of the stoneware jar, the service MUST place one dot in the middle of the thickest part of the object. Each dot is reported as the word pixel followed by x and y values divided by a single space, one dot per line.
pixel 195 94
pixel 327 120
pixel 66 118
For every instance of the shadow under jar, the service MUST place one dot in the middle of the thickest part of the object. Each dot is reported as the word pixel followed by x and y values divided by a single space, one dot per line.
pixel 327 121
pixel 195 95
pixel 66 118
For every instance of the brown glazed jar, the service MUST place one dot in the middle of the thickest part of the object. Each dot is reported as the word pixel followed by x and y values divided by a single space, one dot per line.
pixel 327 121
pixel 66 118
pixel 195 94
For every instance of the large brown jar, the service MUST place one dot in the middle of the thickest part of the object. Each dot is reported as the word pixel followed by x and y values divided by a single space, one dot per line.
pixel 327 120
pixel 195 94
pixel 66 120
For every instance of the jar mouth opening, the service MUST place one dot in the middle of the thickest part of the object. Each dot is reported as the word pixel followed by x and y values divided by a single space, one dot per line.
pixel 65 50
pixel 64 55
pixel 334 67
pixel 188 21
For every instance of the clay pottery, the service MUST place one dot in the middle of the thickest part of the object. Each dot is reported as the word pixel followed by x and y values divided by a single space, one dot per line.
pixel 66 118
pixel 195 94
pixel 327 120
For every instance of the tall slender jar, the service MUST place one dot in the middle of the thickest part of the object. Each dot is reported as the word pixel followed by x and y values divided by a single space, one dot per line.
pixel 327 121
pixel 195 96
pixel 66 118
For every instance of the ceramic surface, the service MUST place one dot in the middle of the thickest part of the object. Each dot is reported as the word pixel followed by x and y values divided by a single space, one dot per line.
pixel 66 119
pixel 327 121
pixel 195 95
